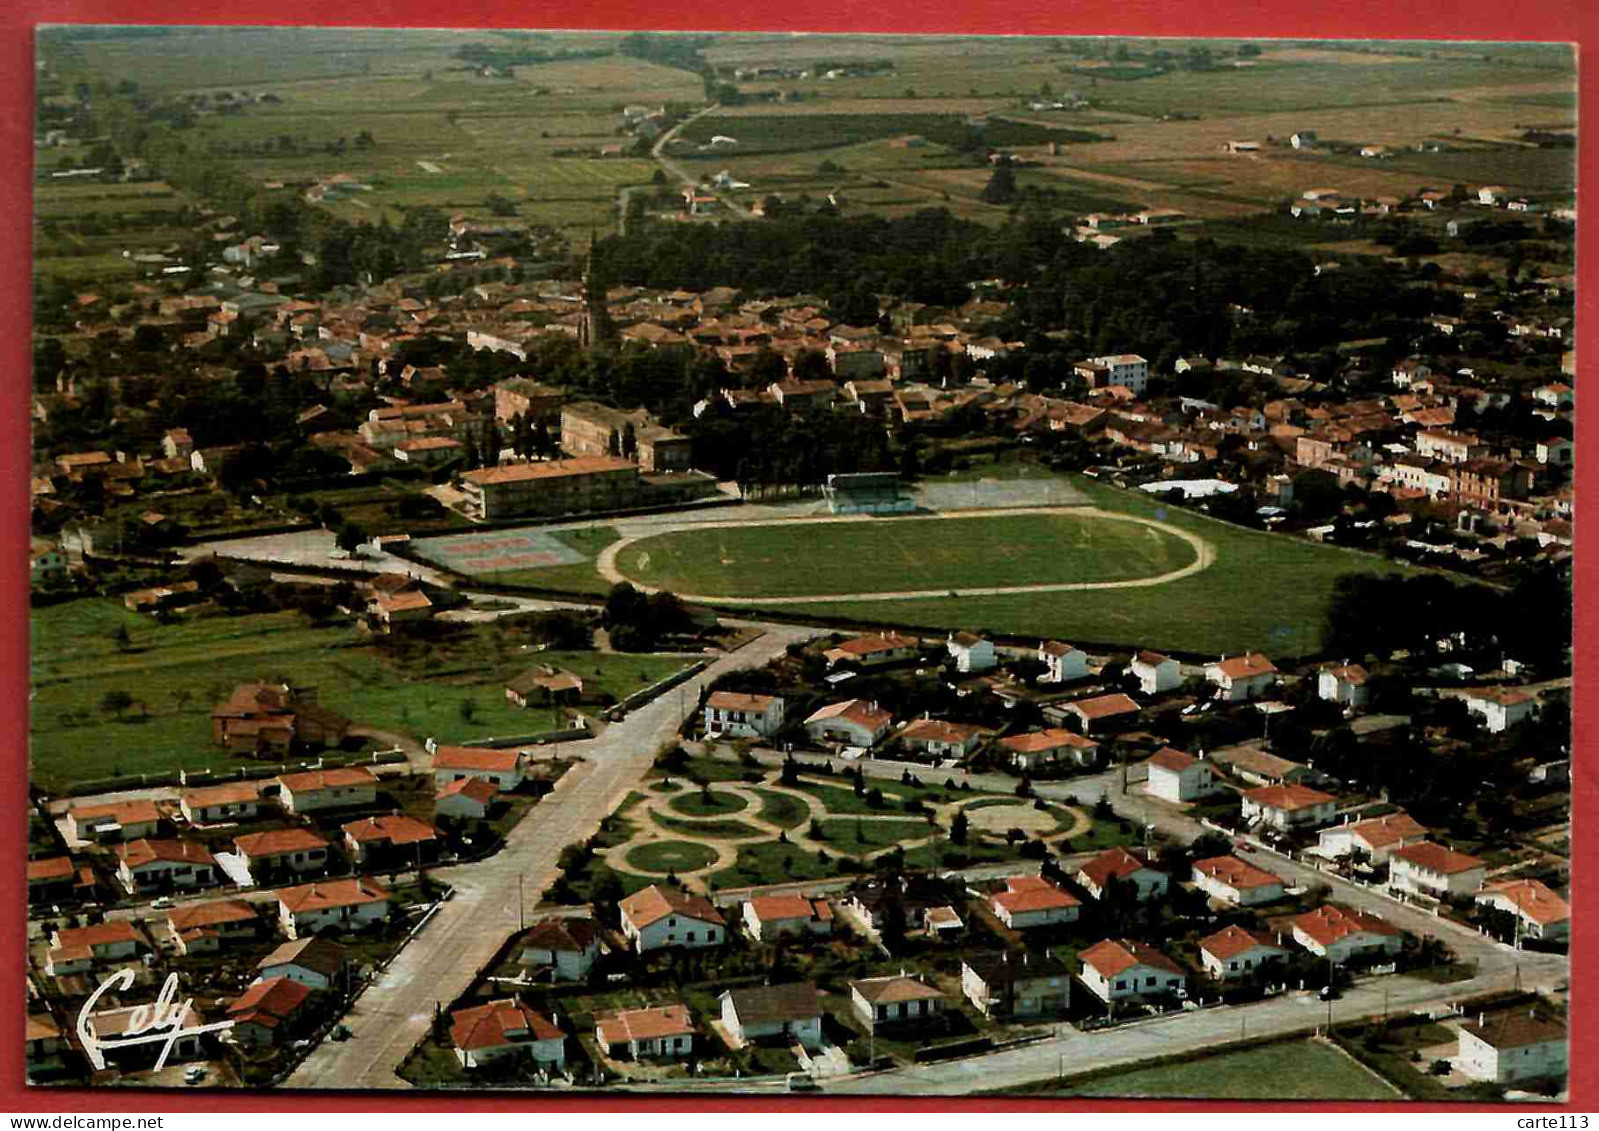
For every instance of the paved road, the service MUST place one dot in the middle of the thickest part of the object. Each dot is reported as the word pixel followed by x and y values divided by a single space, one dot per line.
pixel 440 963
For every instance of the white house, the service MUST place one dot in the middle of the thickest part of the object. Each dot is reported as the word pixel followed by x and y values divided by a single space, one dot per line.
pixel 1178 777
pixel 871 651
pixel 1242 677
pixel 122 820
pixel 772 916
pixel 1127 369
pixel 1100 709
pixel 468 798
pixel 1432 870
pixel 662 1031
pixel 1501 707
pixel 505 769
pixel 314 963
pixel 1341 933
pixel 1233 952
pixel 235 801
pixel 1002 984
pixel 151 864
pixel 1064 662
pixel 1032 901
pixel 1492 194
pixel 1288 807
pixel 1513 1046
pixel 791 1013
pixel 1543 914
pixel 345 904
pixel 506 1029
pixel 854 722
pixel 737 715
pixel 565 947
pixel 940 738
pixel 894 999
pixel 1155 673
pixel 203 927
pixel 1045 747
pixel 1123 969
pixel 75 950
pixel 1377 837
pixel 1234 881
pixel 327 789
pixel 279 850
pixel 1123 867
pixel 970 652
pixel 1342 683
pixel 658 917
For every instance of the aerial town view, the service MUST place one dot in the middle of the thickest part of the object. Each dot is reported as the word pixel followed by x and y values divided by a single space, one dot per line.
pixel 614 563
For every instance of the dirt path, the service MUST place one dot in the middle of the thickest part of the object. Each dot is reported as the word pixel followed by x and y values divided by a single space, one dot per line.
pixel 1204 558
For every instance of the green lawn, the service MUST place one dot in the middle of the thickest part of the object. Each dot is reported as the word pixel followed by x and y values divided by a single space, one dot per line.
pixel 1266 592
pixel 772 862
pixel 782 810
pixel 852 836
pixel 579 577
pixel 695 830
pixel 1297 1070
pixel 842 799
pixel 708 803
pixel 671 856
pixel 753 561
pixel 451 690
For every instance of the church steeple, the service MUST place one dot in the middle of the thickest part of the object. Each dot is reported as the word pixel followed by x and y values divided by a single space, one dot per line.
pixel 595 330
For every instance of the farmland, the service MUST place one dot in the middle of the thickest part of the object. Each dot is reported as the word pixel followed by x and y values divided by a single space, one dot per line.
pixel 1296 1070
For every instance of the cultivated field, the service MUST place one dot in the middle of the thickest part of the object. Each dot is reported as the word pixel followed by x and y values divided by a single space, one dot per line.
pixel 1293 1070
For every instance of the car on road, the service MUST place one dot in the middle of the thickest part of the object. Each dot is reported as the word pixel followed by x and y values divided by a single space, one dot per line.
pixel 802 1082
pixel 161 903
pixel 193 1074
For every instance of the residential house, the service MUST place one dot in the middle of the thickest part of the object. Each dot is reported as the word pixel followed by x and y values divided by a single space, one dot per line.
pixel 1501 707
pixel 1234 881
pixel 735 714
pixel 1234 952
pixel 1032 901
pixel 1377 837
pixel 1288 808
pixel 51 878
pixel 235 801
pixel 1063 663
pixel 1155 673
pixel 466 799
pixel 774 916
pixel 506 769
pixel 394 839
pixel 43 1043
pixel 941 739
pixel 894 999
pixel 200 928
pixel 1047 747
pixel 663 1031
pixel 791 1013
pixel 274 716
pixel 265 1011
pixel 1242 677
pixel 271 854
pixel 1514 1046
pixel 1128 370
pixel 75 950
pixel 406 606
pixel 870 651
pixel 1344 684
pixel 854 722
pixel 1102 711
pixel 314 963
pixel 1342 933
pixel 566 947
pixel 971 653
pixel 1178 777
pixel 658 917
pixel 1451 447
pixel 506 1030
pixel 1023 985
pixel 1126 970
pixel 119 820
pixel 1131 870
pixel 327 789
pixel 1543 915
pixel 1434 871
pixel 160 865
pixel 344 904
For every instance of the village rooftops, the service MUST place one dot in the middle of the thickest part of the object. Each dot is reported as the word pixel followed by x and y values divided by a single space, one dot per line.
pixel 325 894
pixel 1347 673
pixel 51 868
pixel 407 600
pixel 475 758
pixel 1056 648
pixel 1530 898
pixel 768 1005
pixel 317 955
pixel 136 812
pixel 855 711
pixel 553 469
pixel 146 851
pixel 1242 667
pixel 1329 923
pixel 1023 894
pixel 626 1025
pixel 230 793
pixel 1229 942
pixel 1051 739
pixel 1150 659
pixel 739 701
pixel 269 1003
pixel 939 730
pixel 1504 696
pixel 327 779
pixel 499 1023
pixel 276 842
pixel 1379 832
pixel 480 790
pixel 871 645
pixel 1174 760
pixel 1436 858
pixel 1516 1028
pixel 216 913
pixel 1235 873
pixel 1113 863
pixel 1288 798
pixel 768 908
pixel 561 934
pixel 1105 706
pixel 890 988
pixel 655 903
pixel 1003 967
pixel 71 942
pixel 396 829
pixel 1114 956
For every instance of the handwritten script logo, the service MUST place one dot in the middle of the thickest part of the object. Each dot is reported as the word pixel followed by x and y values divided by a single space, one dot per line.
pixel 158 1023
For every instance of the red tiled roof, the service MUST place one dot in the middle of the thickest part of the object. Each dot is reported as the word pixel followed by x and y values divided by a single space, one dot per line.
pixel 145 851
pixel 855 711
pixel 1103 706
pixel 1113 862
pixel 97 934
pixel 479 758
pixel 1241 667
pixel 1437 858
pixel 1235 873
pixel 275 842
pixel 492 1025
pixel 1229 942
pixel 397 829
pixel 1379 832
pixel 1288 797
pixel 1114 956
pixel 1174 760
pixel 866 645
pixel 210 914
pixel 51 868
pixel 314 954
pixel 770 907
pixel 269 1003
pixel 556 469
pixel 644 1024
pixel 939 730
pixel 1534 900
pixel 894 987
pixel 231 793
pixel 1329 923
pixel 1032 893
pixel 654 903
pixel 122 812
pixel 1517 1028
pixel 327 779
pixel 1051 739
pixel 480 790
pixel 332 893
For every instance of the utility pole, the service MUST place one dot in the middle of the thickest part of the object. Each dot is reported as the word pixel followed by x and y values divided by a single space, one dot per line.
pixel 521 914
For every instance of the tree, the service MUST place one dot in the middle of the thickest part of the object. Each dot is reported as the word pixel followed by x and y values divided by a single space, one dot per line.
pixel 1001 187
pixel 116 702
pixel 468 710
pixel 119 637
pixel 350 537
pixel 959 828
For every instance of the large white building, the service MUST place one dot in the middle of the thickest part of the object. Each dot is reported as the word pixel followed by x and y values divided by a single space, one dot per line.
pixel 737 715
pixel 1502 707
pixel 1126 369
pixel 1178 777
pixel 1513 1046
pixel 1155 673
pixel 1435 871
pixel 1242 677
